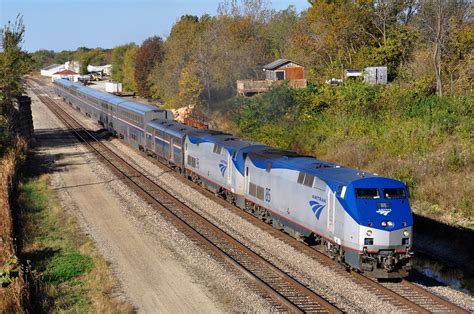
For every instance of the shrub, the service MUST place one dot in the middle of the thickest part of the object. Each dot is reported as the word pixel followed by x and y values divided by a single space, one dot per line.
pixel 67 265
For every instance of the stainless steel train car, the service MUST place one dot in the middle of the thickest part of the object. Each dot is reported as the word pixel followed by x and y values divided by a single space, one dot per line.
pixel 360 219
pixel 124 118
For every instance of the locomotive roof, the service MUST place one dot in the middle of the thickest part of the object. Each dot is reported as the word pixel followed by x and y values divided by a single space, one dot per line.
pixel 228 141
pixel 112 99
pixel 326 171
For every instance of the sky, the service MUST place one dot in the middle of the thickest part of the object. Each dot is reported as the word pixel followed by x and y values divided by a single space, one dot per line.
pixel 69 24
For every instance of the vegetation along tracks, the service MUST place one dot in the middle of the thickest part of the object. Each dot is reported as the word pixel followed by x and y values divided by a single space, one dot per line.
pixel 283 291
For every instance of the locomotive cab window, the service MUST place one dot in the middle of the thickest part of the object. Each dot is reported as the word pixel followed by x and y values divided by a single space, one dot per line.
pixel 367 193
pixel 394 193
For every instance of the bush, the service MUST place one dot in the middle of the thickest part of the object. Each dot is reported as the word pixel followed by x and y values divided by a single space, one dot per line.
pixel 67 265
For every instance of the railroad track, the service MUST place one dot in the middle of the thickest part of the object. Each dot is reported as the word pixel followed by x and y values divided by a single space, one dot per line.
pixel 281 290
pixel 404 294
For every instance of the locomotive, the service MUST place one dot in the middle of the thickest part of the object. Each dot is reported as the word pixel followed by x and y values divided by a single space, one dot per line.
pixel 360 219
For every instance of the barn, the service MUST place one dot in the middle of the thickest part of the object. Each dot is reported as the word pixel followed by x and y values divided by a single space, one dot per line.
pixel 275 73
pixel 284 69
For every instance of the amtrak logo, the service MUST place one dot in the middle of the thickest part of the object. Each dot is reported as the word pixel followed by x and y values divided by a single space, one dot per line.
pixel 384 211
pixel 317 208
pixel 223 166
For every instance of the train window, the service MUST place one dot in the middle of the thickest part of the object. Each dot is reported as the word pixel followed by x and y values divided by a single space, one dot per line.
pixel 394 193
pixel 217 149
pixel 367 193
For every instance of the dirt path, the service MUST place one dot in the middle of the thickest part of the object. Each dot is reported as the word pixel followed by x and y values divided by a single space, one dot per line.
pixel 150 276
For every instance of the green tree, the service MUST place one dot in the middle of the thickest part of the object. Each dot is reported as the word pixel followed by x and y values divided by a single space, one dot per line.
pixel 129 65
pixel 117 61
pixel 42 58
pixel 14 62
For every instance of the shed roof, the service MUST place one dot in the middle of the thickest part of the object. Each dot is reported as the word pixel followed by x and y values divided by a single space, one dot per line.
pixel 66 72
pixel 52 66
pixel 278 63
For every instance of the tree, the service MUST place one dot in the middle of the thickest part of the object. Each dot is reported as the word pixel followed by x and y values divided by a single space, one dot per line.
pixel 438 19
pixel 190 87
pixel 149 54
pixel 42 58
pixel 180 48
pixel 129 64
pixel 14 62
pixel 117 61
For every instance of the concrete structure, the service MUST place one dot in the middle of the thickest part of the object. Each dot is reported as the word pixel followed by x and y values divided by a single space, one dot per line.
pixel 66 74
pixel 105 69
pixel 275 72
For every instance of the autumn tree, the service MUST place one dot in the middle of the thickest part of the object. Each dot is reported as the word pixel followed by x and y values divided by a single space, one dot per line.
pixel 149 54
pixel 117 61
pixel 14 62
pixel 180 48
pixel 128 67
pixel 438 19
pixel 190 87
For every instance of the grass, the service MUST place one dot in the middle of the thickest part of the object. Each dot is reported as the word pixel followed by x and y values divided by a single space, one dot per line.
pixel 72 275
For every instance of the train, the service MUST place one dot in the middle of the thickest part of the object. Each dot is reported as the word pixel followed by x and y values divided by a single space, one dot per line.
pixel 361 219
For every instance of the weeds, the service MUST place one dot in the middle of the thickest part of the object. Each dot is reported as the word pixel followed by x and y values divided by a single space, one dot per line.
pixel 72 276
pixel 390 130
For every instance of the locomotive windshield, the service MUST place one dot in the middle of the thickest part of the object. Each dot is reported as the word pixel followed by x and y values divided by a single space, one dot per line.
pixel 394 193
pixel 367 193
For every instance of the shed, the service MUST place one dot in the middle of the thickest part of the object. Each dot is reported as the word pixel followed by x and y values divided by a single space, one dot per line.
pixel 284 69
pixel 66 74
pixel 376 75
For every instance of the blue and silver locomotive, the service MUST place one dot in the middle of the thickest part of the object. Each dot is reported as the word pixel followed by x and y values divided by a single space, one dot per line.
pixel 360 219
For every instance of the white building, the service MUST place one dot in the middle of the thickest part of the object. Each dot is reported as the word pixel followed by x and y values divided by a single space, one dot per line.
pixel 66 74
pixel 106 69
pixel 69 65
pixel 51 69
pixel 113 87
pixel 73 66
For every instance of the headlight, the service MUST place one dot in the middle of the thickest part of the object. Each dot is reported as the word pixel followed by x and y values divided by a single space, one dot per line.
pixel 369 233
pixel 406 233
pixel 384 223
pixel 390 223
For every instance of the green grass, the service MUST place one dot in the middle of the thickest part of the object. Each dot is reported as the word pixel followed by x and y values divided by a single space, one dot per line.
pixel 66 266
pixel 72 276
